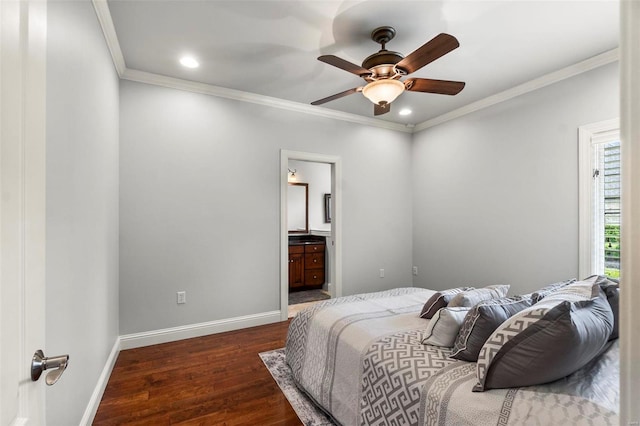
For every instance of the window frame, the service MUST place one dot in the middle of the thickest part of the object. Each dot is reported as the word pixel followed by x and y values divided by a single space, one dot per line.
pixel 588 136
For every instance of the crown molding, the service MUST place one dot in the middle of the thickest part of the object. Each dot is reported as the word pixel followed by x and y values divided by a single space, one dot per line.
pixel 531 85
pixel 103 13
pixel 106 22
pixel 222 92
pixel 109 30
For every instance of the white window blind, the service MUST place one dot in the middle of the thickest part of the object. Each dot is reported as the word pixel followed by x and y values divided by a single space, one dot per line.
pixel 606 209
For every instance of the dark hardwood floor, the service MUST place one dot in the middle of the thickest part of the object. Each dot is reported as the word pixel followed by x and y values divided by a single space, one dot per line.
pixel 211 380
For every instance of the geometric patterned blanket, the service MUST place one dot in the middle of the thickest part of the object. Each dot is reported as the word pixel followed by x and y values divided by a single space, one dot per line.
pixel 398 364
pixel 360 359
pixel 587 397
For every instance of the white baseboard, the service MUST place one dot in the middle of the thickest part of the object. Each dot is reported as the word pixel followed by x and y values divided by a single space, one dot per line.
pixel 96 397
pixel 147 338
pixel 137 340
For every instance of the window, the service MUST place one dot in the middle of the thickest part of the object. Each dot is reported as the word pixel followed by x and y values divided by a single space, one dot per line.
pixel 599 174
pixel 607 208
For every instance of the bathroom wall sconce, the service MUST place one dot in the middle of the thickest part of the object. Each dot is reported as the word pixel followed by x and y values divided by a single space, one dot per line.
pixel 292 174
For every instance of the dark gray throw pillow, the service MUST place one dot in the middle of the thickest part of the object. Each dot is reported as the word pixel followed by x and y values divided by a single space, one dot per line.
pixel 482 320
pixel 439 300
pixel 545 291
pixel 548 340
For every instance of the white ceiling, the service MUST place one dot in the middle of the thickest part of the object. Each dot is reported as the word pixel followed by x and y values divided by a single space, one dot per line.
pixel 270 47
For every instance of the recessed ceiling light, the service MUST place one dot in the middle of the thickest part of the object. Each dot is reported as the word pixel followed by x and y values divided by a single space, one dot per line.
pixel 405 111
pixel 189 62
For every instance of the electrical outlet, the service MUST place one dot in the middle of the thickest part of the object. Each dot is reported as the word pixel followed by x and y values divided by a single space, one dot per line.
pixel 415 270
pixel 182 297
pixel 381 273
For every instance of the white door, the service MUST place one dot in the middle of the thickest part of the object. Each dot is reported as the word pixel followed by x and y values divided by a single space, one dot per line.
pixel 22 207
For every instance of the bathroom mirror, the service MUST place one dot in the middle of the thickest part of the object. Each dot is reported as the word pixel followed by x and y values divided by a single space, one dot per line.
pixel 298 208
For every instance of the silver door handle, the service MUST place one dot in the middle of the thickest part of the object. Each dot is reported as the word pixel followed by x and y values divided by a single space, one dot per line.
pixel 40 363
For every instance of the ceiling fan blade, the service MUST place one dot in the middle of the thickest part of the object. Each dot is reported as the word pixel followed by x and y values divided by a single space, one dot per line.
pixel 381 109
pixel 345 65
pixel 438 46
pixel 337 96
pixel 442 87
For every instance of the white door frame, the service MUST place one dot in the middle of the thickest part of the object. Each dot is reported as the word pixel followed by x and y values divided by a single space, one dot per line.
pixel 588 136
pixel 630 215
pixel 335 268
pixel 23 54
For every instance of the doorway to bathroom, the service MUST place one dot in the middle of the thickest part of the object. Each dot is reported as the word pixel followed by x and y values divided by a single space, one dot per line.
pixel 310 195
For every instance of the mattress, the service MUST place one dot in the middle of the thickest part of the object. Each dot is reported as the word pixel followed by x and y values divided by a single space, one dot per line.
pixel 361 360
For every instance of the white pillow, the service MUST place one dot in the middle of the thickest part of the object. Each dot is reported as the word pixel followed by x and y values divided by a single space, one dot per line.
pixel 473 297
pixel 444 326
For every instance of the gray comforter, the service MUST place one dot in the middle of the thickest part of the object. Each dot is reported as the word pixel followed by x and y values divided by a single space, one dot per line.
pixel 360 359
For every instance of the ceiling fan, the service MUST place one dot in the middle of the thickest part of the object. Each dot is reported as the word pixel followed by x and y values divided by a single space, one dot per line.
pixel 382 71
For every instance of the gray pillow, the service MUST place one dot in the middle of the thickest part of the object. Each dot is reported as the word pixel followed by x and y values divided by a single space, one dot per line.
pixel 611 289
pixel 544 291
pixel 482 320
pixel 443 327
pixel 613 297
pixel 439 300
pixel 548 340
pixel 473 297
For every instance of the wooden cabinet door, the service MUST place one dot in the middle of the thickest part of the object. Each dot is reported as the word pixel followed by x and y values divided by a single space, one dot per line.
pixel 296 270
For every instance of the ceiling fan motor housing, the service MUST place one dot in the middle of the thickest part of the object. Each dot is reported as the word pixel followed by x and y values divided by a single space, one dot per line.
pixel 381 63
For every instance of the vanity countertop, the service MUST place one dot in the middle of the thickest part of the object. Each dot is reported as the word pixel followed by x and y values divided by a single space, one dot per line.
pixel 299 240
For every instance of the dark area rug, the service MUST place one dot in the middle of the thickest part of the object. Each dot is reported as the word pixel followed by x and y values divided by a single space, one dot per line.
pixel 305 296
pixel 309 414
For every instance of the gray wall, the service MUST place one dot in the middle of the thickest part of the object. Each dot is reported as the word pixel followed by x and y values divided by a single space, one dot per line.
pixel 82 205
pixel 200 209
pixel 495 193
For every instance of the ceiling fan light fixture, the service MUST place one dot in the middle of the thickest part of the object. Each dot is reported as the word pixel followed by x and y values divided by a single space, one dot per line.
pixel 383 91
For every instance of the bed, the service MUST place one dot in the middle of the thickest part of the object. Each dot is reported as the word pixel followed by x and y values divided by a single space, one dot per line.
pixel 361 360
